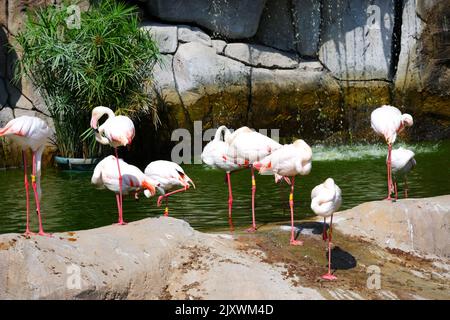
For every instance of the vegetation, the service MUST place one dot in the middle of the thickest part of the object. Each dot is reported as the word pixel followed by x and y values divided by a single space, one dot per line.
pixel 105 60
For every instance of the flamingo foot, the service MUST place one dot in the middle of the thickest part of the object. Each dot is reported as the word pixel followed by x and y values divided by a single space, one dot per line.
pixel 121 223
pixel 42 233
pixel 251 229
pixel 296 242
pixel 28 233
pixel 329 276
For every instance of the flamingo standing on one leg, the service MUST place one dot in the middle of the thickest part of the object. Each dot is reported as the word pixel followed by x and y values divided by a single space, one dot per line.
pixel 116 131
pixel 130 179
pixel 402 162
pixel 215 155
pixel 245 147
pixel 288 161
pixel 388 121
pixel 168 175
pixel 30 132
pixel 325 200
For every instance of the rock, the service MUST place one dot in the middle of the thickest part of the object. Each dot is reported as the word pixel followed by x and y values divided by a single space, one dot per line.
pixel 419 226
pixel 260 56
pixel 210 84
pixel 276 28
pixel 193 34
pixel 165 36
pixel 234 19
pixel 306 17
pixel 219 45
pixel 354 46
pixel 6 115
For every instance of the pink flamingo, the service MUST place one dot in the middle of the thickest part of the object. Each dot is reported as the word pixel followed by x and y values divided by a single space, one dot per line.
pixel 245 147
pixel 129 180
pixel 215 155
pixel 388 121
pixel 116 131
pixel 288 161
pixel 168 175
pixel 30 132
pixel 402 163
pixel 325 200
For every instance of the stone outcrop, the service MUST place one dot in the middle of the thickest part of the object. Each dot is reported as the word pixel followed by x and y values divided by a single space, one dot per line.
pixel 420 226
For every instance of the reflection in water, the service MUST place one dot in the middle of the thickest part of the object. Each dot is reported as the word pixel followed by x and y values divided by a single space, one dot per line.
pixel 70 202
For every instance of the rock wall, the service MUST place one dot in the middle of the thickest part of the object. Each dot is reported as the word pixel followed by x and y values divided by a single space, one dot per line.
pixel 312 68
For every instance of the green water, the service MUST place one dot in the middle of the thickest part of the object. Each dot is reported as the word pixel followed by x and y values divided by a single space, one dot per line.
pixel 70 202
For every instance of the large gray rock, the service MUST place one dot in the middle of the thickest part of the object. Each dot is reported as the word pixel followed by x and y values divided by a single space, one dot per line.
pixel 165 36
pixel 261 56
pixel 276 28
pixel 234 19
pixel 6 115
pixel 219 45
pixel 356 38
pixel 419 226
pixel 193 34
pixel 306 18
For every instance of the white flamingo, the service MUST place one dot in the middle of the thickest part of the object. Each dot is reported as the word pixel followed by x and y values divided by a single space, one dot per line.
pixel 246 146
pixel 168 175
pixel 288 161
pixel 215 155
pixel 130 180
pixel 388 121
pixel 30 132
pixel 402 163
pixel 326 199
pixel 116 131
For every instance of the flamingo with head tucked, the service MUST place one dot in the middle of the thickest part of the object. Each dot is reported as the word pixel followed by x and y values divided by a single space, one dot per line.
pixel 402 163
pixel 287 162
pixel 326 199
pixel 245 147
pixel 215 155
pixel 168 175
pixel 30 132
pixel 388 121
pixel 129 180
pixel 116 131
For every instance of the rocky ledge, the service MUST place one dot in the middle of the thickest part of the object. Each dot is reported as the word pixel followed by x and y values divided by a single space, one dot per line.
pixel 164 258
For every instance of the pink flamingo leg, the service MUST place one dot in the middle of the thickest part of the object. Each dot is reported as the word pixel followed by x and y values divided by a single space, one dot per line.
pixel 253 227
pixel 329 276
pixel 119 209
pixel 230 201
pixel 121 222
pixel 389 172
pixel 324 233
pixel 166 196
pixel 36 197
pixel 27 191
pixel 406 188
pixel 291 204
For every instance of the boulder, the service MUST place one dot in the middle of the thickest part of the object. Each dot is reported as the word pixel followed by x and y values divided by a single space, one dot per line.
pixel 193 34
pixel 234 19
pixel 419 226
pixel 6 115
pixel 165 36
pixel 261 56
pixel 213 88
pixel 356 38
pixel 219 45
pixel 306 17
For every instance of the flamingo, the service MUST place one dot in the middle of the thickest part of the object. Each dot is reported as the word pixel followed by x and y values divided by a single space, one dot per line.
pixel 388 121
pixel 168 175
pixel 214 155
pixel 116 131
pixel 30 132
pixel 288 161
pixel 129 179
pixel 245 147
pixel 325 200
pixel 402 162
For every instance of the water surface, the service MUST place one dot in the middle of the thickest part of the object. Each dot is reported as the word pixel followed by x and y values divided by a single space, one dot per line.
pixel 70 202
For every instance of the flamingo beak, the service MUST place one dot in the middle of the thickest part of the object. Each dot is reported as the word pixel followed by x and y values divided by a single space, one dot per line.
pixel 191 182
pixel 94 122
pixel 148 186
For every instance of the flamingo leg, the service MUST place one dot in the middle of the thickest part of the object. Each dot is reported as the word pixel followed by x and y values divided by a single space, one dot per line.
pixel 389 172
pixel 395 190
pixel 27 191
pixel 166 196
pixel 291 204
pixel 119 209
pixel 324 233
pixel 253 227
pixel 36 197
pixel 406 187
pixel 329 276
pixel 166 210
pixel 120 199
pixel 230 201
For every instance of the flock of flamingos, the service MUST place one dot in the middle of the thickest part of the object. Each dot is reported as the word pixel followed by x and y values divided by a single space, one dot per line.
pixel 228 151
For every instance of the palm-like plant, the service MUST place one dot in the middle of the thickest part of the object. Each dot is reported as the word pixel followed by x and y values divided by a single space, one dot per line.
pixel 107 61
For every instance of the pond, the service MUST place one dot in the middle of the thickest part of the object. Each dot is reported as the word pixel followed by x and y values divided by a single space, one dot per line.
pixel 70 202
